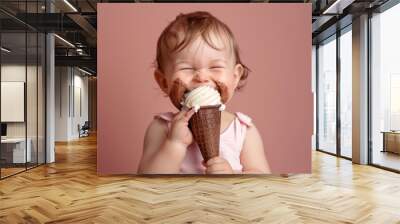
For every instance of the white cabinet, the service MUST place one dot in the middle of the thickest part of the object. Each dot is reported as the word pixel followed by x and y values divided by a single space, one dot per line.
pixel 17 147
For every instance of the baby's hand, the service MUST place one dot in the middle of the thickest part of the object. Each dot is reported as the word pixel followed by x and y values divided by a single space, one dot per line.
pixel 218 165
pixel 180 132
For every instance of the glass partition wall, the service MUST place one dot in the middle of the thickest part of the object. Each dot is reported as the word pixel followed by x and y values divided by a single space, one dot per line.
pixel 22 88
pixel 334 98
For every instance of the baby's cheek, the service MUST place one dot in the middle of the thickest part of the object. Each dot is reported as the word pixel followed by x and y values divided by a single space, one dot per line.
pixel 224 91
pixel 176 93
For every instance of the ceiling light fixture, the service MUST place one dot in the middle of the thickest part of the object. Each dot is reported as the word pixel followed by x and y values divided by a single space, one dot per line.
pixel 338 6
pixel 65 41
pixel 5 50
pixel 70 5
pixel 84 71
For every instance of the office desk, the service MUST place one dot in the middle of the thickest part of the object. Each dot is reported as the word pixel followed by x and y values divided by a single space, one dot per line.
pixel 13 150
pixel 391 141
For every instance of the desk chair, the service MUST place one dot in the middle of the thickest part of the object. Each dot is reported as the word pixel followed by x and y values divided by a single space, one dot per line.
pixel 84 130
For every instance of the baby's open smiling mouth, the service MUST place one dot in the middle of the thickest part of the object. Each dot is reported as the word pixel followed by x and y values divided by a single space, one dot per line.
pixel 178 90
pixel 216 88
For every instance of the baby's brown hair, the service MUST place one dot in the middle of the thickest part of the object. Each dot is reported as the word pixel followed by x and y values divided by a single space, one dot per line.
pixel 187 28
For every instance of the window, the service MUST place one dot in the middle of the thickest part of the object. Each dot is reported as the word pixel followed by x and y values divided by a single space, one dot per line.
pixel 346 93
pixel 327 95
pixel 385 85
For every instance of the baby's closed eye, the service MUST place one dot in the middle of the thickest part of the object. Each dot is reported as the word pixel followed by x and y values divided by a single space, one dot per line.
pixel 186 68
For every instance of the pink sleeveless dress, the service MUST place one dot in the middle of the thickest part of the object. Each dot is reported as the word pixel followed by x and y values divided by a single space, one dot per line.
pixel 231 142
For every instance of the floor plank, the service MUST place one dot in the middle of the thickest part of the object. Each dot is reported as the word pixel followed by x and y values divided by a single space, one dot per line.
pixel 69 191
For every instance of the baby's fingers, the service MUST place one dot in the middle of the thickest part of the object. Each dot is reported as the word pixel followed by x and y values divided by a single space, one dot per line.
pixel 214 160
pixel 189 114
pixel 181 114
pixel 217 169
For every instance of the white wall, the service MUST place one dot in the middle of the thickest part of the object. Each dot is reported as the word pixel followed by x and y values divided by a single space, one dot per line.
pixel 70 84
pixel 12 101
pixel 62 81
pixel 80 89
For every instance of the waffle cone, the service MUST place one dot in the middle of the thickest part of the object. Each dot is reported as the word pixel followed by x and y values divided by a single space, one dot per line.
pixel 205 126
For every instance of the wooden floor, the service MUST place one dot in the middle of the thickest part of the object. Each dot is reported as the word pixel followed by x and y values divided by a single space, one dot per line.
pixel 69 191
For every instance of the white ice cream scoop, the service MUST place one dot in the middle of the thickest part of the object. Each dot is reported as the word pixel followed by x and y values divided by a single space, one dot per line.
pixel 202 96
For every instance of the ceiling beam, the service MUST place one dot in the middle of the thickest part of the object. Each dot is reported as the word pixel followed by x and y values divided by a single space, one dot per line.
pixel 86 26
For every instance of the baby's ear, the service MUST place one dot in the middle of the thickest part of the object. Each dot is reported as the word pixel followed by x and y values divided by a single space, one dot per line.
pixel 238 72
pixel 159 76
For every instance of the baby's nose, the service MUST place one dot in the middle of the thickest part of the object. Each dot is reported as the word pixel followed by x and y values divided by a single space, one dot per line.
pixel 202 75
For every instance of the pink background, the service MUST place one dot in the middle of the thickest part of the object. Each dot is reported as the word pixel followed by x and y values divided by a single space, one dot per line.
pixel 275 43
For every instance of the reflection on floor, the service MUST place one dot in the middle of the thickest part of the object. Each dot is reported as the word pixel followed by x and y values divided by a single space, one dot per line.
pixel 10 171
pixel 387 159
pixel 13 169
pixel 346 152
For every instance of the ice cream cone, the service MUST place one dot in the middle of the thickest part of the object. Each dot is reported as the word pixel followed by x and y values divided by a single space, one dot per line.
pixel 205 125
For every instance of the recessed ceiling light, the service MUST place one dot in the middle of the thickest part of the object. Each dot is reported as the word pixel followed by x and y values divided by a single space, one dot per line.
pixel 338 6
pixel 65 41
pixel 84 71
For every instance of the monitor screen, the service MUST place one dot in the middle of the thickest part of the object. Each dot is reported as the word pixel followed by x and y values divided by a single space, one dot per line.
pixel 3 129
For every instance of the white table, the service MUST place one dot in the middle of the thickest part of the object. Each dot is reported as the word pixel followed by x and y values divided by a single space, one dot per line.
pixel 18 145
